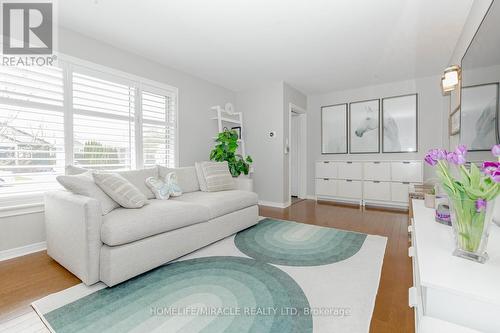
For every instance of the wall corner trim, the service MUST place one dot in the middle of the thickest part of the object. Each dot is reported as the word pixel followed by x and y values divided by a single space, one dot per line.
pixel 274 204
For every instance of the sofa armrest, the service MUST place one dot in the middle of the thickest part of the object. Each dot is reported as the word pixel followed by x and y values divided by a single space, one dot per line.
pixel 73 228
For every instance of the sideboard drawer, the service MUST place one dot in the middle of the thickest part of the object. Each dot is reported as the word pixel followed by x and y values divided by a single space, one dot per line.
pixel 375 190
pixel 326 169
pixel 410 171
pixel 351 189
pixel 326 187
pixel 380 171
pixel 399 192
pixel 350 170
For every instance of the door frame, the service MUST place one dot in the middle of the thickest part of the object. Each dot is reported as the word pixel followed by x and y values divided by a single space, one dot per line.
pixel 302 152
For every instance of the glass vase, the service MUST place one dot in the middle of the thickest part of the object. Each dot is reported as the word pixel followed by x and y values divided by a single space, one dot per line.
pixel 471 220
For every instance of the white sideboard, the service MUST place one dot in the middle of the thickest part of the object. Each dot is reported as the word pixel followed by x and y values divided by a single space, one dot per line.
pixel 384 183
pixel 451 294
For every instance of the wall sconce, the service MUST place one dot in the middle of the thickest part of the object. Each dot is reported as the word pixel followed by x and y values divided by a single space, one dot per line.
pixel 450 79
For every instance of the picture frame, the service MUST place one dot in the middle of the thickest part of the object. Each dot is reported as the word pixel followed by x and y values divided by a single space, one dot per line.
pixel 400 124
pixel 334 129
pixel 238 130
pixel 479 112
pixel 454 122
pixel 364 127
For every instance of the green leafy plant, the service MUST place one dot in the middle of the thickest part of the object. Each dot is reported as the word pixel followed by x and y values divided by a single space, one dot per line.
pixel 225 150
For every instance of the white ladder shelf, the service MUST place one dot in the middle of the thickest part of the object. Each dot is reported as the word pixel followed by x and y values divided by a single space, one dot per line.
pixel 227 116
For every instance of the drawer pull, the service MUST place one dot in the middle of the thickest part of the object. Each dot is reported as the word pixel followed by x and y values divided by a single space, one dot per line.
pixel 326 162
pixel 411 251
pixel 376 182
pixel 406 162
pixel 376 162
pixel 326 178
pixel 406 183
pixel 348 180
pixel 349 162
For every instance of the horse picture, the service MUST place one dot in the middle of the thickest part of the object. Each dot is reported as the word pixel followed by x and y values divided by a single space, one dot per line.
pixel 400 124
pixel 364 126
pixel 479 116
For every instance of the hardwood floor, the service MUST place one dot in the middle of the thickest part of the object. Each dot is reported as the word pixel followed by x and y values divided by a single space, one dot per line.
pixel 25 279
pixel 28 278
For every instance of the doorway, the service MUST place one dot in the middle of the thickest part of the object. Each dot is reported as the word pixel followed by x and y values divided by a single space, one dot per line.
pixel 297 154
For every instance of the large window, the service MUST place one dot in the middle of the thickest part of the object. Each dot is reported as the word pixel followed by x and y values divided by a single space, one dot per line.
pixel 54 116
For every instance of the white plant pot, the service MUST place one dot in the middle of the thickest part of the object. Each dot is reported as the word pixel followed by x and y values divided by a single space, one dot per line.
pixel 429 200
pixel 244 183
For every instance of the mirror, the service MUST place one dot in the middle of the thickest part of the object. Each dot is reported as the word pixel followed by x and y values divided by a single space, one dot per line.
pixel 479 118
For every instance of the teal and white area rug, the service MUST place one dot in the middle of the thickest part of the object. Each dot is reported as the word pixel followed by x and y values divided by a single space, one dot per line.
pixel 278 276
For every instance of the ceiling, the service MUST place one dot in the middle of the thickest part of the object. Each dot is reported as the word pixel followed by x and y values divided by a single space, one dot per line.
pixel 314 45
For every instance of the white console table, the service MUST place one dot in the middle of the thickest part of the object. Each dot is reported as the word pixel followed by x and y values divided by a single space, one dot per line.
pixel 451 294
pixel 382 183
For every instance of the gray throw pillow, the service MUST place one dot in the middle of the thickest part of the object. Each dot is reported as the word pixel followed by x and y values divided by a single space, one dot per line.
pixel 120 189
pixel 217 176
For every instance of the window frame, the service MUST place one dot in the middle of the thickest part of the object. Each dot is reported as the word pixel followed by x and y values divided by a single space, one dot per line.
pixel 68 64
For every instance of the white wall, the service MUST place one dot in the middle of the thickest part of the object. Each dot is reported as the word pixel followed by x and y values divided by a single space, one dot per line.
pixel 262 109
pixel 430 120
pixel 196 130
pixel 265 109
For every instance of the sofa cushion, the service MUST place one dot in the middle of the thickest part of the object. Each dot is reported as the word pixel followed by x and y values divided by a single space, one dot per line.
pixel 123 226
pixel 83 184
pixel 186 177
pixel 138 179
pixel 220 203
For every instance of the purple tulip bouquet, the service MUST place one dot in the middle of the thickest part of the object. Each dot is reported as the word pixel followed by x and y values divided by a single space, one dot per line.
pixel 471 198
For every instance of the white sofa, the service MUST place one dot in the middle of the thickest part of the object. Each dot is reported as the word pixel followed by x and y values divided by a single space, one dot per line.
pixel 127 242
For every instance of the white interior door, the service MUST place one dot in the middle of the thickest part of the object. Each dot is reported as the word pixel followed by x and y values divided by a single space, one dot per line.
pixel 294 155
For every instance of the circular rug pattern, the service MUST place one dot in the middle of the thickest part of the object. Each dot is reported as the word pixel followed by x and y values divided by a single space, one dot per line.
pixel 297 244
pixel 263 295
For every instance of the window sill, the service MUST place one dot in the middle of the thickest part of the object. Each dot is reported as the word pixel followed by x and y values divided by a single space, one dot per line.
pixel 21 205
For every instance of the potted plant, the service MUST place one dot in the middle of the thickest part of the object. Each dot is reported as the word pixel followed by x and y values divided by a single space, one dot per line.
pixel 430 198
pixel 226 150
pixel 471 198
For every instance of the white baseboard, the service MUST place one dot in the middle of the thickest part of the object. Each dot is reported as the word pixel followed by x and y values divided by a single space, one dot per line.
pixel 310 197
pixel 23 250
pixel 274 204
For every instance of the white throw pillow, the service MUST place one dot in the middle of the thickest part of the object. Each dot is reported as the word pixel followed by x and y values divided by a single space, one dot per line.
pixel 83 184
pixel 217 176
pixel 164 188
pixel 120 189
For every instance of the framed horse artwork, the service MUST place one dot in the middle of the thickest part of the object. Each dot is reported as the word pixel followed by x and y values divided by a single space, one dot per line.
pixel 479 109
pixel 400 124
pixel 364 131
